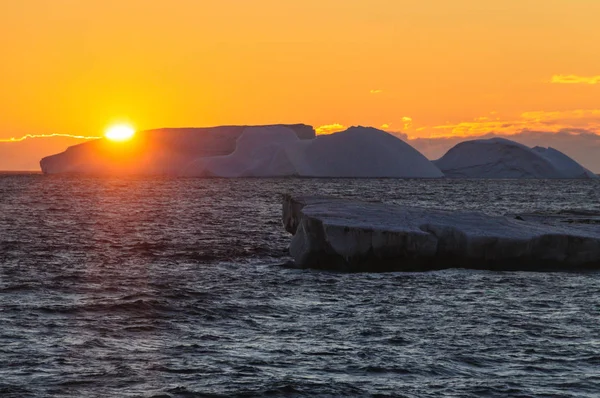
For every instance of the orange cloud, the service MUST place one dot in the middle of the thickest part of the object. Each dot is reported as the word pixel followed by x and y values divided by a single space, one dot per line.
pixel 574 79
pixel 407 122
pixel 13 139
pixel 561 115
pixel 588 119
pixel 376 91
pixel 329 128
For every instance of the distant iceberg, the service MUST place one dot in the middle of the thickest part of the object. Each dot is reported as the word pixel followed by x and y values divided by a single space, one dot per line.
pixel 356 152
pixel 502 158
pixel 162 151
pixel 252 151
pixel 294 150
pixel 567 166
pixel 259 152
pixel 365 152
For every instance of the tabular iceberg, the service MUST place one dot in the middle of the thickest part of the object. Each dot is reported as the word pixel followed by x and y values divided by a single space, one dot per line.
pixel 163 151
pixel 349 235
pixel 502 158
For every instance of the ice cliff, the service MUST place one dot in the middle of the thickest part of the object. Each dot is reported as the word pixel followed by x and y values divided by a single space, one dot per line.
pixel 502 158
pixel 346 235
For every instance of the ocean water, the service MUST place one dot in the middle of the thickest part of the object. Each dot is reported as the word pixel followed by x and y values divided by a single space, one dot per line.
pixel 164 287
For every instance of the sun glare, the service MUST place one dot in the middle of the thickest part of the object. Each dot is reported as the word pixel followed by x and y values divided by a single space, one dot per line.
pixel 120 132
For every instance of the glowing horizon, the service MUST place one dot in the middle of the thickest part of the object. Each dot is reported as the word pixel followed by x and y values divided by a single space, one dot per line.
pixel 426 69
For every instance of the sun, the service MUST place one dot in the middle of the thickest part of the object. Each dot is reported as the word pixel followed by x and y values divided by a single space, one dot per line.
pixel 119 132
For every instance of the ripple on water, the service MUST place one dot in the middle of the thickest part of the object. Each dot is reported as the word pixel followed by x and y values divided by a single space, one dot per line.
pixel 155 287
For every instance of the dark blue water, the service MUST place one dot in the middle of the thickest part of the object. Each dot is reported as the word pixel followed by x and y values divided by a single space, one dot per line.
pixel 151 287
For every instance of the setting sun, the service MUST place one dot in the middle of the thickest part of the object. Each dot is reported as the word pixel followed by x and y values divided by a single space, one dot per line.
pixel 121 132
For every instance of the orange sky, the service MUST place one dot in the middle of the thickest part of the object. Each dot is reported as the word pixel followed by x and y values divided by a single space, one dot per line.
pixel 425 67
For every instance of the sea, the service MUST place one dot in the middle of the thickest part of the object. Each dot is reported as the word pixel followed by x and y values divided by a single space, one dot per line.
pixel 181 287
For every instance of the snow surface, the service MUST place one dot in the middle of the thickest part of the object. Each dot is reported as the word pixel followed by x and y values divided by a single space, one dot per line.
pixel 260 152
pixel 359 236
pixel 502 158
pixel 569 167
pixel 356 152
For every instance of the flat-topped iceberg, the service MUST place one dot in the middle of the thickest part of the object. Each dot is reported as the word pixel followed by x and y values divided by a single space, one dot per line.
pixel 502 158
pixel 346 235
pixel 356 152
pixel 163 151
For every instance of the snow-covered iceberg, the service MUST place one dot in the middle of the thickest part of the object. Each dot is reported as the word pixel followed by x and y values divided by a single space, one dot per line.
pixel 566 165
pixel 356 152
pixel 346 235
pixel 259 152
pixel 502 158
pixel 364 152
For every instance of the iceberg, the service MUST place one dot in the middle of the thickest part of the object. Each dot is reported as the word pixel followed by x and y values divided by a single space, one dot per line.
pixel 502 158
pixel 162 151
pixel 566 165
pixel 259 152
pixel 354 236
pixel 355 152
pixel 294 150
pixel 364 152
pixel 249 151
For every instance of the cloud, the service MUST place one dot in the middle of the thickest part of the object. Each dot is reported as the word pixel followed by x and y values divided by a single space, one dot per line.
pixel 25 153
pixel 586 119
pixel 385 126
pixel 329 128
pixel 574 79
pixel 376 91
pixel 407 122
pixel 25 137
pixel 561 115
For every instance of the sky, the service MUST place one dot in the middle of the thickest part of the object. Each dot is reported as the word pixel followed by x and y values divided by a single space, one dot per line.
pixel 425 68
